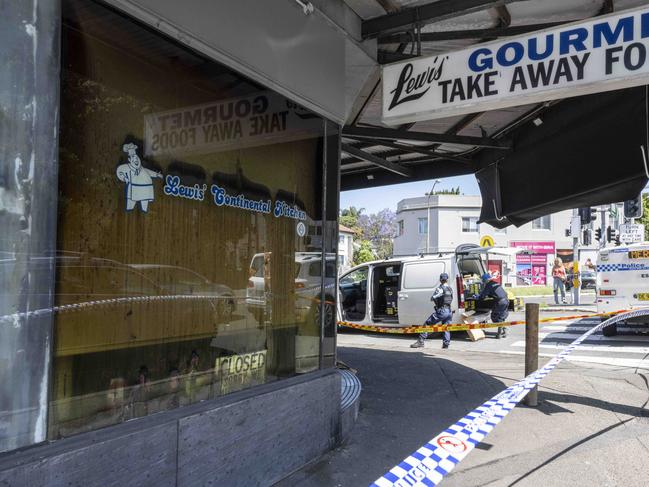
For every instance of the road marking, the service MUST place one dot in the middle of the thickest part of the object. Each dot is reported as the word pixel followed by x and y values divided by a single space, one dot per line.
pixel 620 329
pixel 617 361
pixel 591 348
pixel 574 336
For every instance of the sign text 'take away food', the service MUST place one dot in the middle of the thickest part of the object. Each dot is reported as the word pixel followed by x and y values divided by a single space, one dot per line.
pixel 603 54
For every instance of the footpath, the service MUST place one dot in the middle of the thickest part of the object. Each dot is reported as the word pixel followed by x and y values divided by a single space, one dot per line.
pixel 591 426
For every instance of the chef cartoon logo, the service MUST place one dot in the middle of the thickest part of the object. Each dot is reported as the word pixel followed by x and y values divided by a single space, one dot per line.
pixel 138 179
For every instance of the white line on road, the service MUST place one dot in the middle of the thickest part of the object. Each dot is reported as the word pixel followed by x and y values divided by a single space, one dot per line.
pixel 620 362
pixel 574 336
pixel 591 348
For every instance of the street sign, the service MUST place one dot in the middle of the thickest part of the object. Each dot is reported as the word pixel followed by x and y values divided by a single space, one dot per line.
pixel 487 241
pixel 631 233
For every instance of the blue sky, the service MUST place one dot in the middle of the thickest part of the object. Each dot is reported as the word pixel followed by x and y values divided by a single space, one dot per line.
pixel 376 199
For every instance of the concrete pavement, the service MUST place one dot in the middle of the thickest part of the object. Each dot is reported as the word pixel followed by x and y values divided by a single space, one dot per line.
pixel 591 427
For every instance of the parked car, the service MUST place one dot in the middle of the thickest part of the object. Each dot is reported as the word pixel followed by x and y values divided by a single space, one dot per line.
pixel 177 280
pixel 588 279
pixel 396 292
pixel 307 286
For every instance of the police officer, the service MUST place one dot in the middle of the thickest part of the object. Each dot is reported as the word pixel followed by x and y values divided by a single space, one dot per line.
pixel 442 297
pixel 500 311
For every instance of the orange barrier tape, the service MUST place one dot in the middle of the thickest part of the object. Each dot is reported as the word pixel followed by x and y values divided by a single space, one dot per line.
pixel 404 330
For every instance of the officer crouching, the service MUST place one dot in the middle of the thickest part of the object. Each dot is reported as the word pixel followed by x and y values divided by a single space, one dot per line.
pixel 442 297
pixel 500 311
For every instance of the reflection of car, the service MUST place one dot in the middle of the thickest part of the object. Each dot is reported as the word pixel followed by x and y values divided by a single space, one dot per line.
pixel 396 292
pixel 588 279
pixel 308 274
pixel 182 281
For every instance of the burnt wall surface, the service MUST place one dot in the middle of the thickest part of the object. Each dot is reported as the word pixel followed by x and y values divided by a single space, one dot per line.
pixel 255 437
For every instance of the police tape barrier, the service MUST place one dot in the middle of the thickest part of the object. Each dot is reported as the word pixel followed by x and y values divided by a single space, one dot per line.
pixel 433 461
pixel 405 330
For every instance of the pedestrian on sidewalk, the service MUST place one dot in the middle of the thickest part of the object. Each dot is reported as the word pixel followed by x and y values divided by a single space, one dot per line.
pixel 500 311
pixel 442 297
pixel 559 278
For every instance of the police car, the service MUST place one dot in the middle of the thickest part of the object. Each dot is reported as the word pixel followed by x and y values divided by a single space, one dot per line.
pixel 623 280
pixel 396 292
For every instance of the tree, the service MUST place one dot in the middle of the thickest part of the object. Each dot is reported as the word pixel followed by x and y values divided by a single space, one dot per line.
pixel 379 229
pixel 373 233
pixel 363 253
pixel 448 191
pixel 349 217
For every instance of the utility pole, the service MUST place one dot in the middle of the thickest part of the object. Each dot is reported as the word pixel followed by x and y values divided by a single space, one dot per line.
pixel 575 230
pixel 429 194
pixel 602 225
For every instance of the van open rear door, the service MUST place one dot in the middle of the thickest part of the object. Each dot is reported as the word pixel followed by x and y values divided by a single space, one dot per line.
pixel 467 256
pixel 418 281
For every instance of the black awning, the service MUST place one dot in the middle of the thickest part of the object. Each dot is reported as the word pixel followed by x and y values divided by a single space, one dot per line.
pixel 587 151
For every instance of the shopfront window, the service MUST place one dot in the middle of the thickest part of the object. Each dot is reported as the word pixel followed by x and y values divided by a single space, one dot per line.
pixel 190 234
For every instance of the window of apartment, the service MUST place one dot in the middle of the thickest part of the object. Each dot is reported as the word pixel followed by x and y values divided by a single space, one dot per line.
pixel 341 239
pixel 470 224
pixel 542 223
pixel 399 228
pixel 423 225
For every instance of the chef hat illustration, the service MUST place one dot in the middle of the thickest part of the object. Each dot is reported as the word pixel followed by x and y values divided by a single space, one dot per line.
pixel 129 148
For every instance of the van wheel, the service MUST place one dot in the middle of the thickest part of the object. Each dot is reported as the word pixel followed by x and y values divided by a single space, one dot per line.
pixel 610 330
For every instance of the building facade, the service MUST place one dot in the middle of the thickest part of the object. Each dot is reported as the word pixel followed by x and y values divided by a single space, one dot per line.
pixel 454 221
pixel 345 247
pixel 156 157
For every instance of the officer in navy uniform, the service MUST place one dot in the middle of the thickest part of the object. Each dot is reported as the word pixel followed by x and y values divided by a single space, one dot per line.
pixel 500 311
pixel 442 297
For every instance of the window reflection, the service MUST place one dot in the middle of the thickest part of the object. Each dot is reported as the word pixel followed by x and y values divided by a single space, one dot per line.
pixel 190 234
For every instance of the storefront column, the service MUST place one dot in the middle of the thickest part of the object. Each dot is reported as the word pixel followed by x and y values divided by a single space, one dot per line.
pixel 29 88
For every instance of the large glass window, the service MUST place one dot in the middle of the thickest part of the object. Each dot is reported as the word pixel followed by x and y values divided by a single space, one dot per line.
pixel 189 229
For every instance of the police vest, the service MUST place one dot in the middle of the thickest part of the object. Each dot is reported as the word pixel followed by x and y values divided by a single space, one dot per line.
pixel 445 299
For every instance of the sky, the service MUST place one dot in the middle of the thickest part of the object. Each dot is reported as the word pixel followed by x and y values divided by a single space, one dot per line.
pixel 376 199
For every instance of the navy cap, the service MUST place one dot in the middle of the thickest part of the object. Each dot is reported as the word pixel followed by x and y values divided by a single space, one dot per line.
pixel 443 276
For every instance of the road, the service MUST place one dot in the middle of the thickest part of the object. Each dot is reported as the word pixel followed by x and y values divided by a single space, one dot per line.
pixel 591 426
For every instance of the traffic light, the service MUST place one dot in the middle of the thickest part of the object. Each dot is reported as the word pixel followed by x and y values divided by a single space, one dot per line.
pixel 587 237
pixel 610 234
pixel 633 208
pixel 587 215
pixel 598 234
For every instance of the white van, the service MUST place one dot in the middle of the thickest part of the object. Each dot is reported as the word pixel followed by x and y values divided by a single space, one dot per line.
pixel 623 280
pixel 396 292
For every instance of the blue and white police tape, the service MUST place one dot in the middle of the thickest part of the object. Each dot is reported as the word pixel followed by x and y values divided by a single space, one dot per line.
pixel 433 461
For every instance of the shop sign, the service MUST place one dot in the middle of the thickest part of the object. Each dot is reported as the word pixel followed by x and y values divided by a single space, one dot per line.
pixel 260 119
pixel 602 54
pixel 535 247
pixel 236 372
pixel 487 241
pixel 140 190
